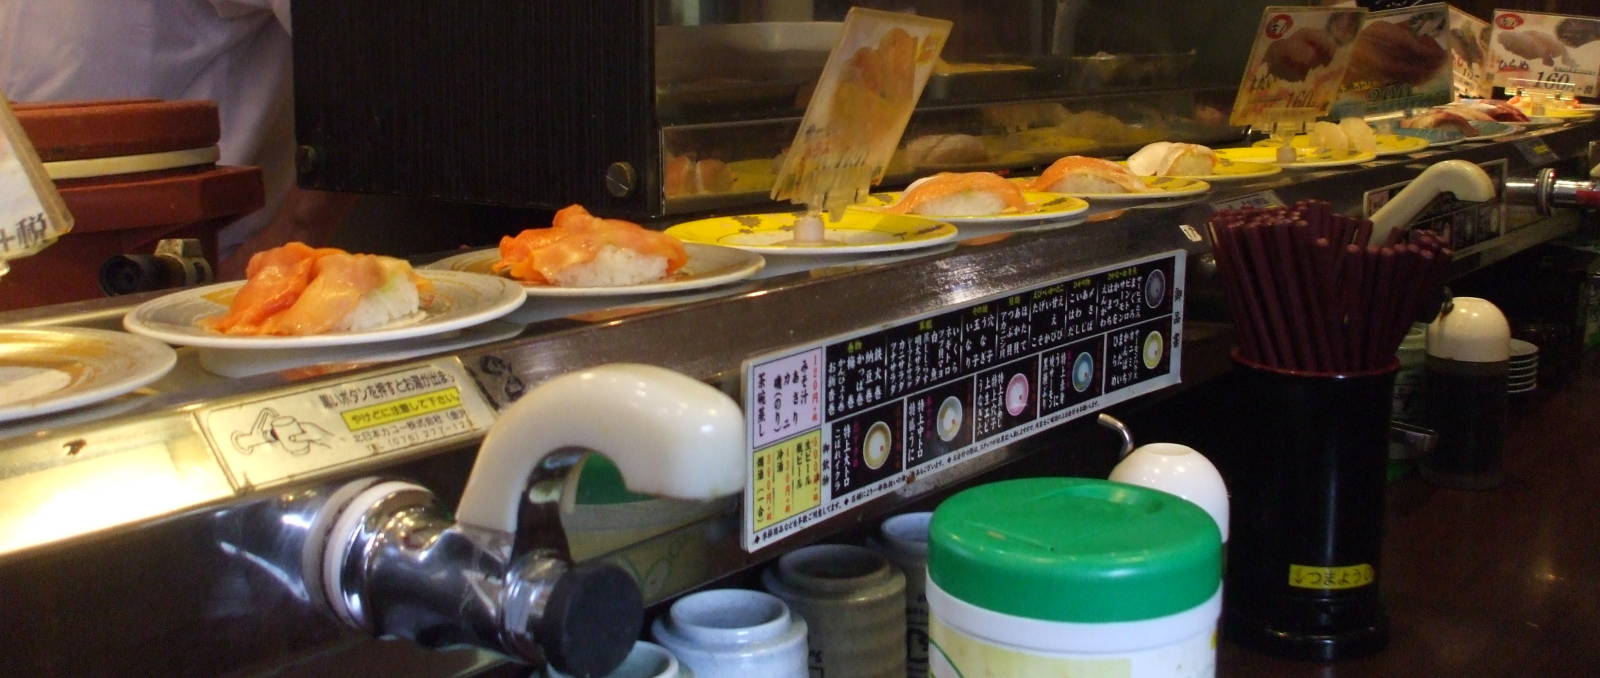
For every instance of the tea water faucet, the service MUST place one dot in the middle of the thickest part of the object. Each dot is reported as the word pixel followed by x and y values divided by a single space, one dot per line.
pixel 497 575
pixel 1464 179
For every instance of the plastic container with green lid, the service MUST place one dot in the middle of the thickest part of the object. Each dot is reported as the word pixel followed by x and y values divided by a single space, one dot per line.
pixel 1055 576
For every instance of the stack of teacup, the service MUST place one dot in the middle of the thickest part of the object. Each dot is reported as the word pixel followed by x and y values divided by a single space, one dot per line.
pixel 1523 373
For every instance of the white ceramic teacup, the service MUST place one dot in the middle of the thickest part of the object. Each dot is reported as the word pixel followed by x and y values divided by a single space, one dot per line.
pixel 1180 470
pixel 645 660
pixel 731 633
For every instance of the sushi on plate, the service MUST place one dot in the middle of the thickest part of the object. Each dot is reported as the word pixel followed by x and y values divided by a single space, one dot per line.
pixel 1079 174
pixel 297 290
pixel 583 250
pixel 965 194
pixel 1173 159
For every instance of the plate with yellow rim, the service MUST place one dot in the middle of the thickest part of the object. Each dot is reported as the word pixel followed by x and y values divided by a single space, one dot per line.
pixel 1568 113
pixel 856 232
pixel 1045 206
pixel 1307 158
pixel 1229 170
pixel 1388 144
pixel 708 266
pixel 1161 188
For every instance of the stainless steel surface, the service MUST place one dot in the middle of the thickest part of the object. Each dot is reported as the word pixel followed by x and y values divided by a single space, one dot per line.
pixel 170 570
pixel 1121 429
pixel 1533 190
pixel 1416 441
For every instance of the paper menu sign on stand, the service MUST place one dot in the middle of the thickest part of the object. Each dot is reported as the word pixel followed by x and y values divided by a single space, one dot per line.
pixel 1469 55
pixel 32 215
pixel 1296 65
pixel 1399 61
pixel 861 105
pixel 1546 51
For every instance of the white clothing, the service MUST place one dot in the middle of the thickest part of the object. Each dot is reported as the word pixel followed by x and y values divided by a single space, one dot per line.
pixel 235 52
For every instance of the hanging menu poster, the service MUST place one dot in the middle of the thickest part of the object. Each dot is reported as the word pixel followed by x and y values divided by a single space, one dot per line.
pixel 838 422
pixel 1296 65
pixel 1545 51
pixel 1399 61
pixel 1469 55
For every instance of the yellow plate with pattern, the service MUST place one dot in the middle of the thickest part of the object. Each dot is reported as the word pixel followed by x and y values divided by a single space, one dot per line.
pixel 1308 158
pixel 1160 188
pixel 1388 144
pixel 1045 206
pixel 1568 113
pixel 857 232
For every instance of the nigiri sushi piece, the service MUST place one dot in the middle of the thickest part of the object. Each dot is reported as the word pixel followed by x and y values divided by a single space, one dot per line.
pixel 1437 119
pixel 1331 137
pixel 966 194
pixel 295 290
pixel 1360 134
pixel 583 250
pixel 1083 174
pixel 1173 159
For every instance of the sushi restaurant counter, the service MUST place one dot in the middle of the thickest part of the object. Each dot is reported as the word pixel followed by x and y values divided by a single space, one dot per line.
pixel 1503 582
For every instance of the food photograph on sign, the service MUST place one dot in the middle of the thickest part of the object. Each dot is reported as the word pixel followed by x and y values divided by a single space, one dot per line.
pixel 1469 55
pixel 1545 51
pixel 1297 63
pixel 1399 60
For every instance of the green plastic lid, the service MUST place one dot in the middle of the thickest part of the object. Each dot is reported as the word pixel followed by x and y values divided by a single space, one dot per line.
pixel 1074 550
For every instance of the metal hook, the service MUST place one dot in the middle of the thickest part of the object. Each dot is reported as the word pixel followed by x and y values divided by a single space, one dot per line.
pixel 1114 424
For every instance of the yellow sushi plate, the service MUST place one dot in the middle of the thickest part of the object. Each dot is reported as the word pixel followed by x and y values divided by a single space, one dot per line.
pixel 1388 144
pixel 856 232
pixel 1160 188
pixel 1045 206
pixel 1568 113
pixel 1307 158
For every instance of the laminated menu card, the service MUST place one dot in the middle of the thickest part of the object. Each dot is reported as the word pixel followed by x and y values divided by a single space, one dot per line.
pixel 1296 65
pixel 1546 51
pixel 1399 60
pixel 32 215
pixel 861 105
pixel 1469 55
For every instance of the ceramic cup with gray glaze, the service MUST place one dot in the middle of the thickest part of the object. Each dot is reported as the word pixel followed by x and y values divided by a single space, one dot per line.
pixel 855 603
pixel 733 633
pixel 645 660
pixel 903 539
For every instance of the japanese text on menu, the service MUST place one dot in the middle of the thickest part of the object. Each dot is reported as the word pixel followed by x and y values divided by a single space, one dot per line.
pixel 841 421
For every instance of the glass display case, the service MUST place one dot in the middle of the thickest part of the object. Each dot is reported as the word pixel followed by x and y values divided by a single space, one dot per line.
pixel 681 106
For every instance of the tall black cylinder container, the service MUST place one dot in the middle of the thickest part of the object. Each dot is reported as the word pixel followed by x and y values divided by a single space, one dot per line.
pixel 1308 503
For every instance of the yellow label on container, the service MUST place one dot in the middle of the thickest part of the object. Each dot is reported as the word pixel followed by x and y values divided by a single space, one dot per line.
pixel 1331 578
pixel 787 479
pixel 396 410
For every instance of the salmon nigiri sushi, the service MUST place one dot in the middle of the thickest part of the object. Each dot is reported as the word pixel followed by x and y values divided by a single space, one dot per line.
pixel 967 194
pixel 583 250
pixel 298 290
pixel 1083 174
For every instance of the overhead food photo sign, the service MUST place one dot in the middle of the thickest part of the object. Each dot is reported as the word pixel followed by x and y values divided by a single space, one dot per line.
pixel 1297 64
pixel 1553 51
pixel 1399 60
pixel 1469 55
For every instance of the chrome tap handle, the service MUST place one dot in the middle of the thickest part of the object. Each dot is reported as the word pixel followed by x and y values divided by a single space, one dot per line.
pixel 497 575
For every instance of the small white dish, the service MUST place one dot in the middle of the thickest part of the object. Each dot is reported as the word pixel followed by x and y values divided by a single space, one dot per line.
pixel 950 418
pixel 875 446
pixel 459 300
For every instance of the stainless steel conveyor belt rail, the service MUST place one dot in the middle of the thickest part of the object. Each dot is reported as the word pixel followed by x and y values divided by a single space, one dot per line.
pixel 128 548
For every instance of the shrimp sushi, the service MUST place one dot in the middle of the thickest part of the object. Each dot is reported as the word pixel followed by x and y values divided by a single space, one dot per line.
pixel 1078 174
pixel 583 250
pixel 968 194
pixel 298 290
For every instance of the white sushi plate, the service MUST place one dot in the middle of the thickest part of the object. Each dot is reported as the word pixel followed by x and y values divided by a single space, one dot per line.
pixel 49 370
pixel 708 266
pixel 459 300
